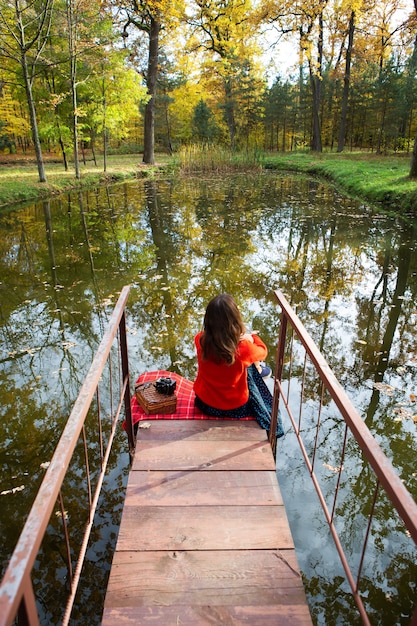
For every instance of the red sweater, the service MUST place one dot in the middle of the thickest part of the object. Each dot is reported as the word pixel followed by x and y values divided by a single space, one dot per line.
pixel 223 386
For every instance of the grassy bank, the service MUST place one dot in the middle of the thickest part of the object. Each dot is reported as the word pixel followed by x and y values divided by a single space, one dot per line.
pixel 376 179
pixel 19 181
pixel 381 180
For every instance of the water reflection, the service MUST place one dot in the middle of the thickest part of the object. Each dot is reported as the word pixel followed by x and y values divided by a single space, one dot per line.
pixel 350 272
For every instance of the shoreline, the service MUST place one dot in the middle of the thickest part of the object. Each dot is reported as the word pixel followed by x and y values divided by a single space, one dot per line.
pixel 380 181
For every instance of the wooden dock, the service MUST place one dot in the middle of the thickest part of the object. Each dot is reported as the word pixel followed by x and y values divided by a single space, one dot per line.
pixel 204 537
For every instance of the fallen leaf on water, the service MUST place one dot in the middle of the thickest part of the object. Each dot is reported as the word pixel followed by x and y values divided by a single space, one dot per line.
pixel 14 490
pixel 412 397
pixel 332 468
pixel 383 388
pixel 403 414
pixel 68 344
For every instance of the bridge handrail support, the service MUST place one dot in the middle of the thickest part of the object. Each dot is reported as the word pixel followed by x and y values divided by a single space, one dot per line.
pixel 385 473
pixel 16 590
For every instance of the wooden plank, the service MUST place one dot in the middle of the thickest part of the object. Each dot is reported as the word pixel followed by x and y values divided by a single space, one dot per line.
pixel 216 578
pixel 206 430
pixel 204 537
pixel 203 455
pixel 284 615
pixel 203 488
pixel 198 528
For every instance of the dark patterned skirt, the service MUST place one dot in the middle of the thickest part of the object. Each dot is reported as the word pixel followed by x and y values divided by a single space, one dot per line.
pixel 259 404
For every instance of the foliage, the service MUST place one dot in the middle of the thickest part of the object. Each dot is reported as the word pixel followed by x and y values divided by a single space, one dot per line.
pixel 210 52
pixel 226 35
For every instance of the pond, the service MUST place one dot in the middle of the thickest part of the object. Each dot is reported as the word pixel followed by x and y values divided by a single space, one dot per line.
pixel 349 270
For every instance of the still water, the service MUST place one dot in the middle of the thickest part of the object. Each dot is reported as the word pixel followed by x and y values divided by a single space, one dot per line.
pixel 350 271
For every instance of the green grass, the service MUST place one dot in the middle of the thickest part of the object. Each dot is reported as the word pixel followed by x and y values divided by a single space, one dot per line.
pixel 377 179
pixel 20 182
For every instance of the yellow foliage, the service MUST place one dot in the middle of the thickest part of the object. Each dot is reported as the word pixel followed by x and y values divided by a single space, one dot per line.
pixel 13 116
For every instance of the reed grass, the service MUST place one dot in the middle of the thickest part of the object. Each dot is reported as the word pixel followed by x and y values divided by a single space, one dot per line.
pixel 200 158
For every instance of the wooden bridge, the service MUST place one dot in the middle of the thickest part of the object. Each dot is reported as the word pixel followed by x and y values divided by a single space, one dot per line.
pixel 204 537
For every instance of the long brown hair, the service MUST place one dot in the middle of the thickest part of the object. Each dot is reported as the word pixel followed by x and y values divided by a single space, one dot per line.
pixel 223 327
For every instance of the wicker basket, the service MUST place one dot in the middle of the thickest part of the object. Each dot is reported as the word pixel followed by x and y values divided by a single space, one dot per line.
pixel 153 402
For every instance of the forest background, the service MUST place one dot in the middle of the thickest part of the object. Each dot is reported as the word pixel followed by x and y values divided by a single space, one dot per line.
pixel 80 78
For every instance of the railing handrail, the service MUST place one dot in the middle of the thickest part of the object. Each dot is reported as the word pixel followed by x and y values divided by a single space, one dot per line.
pixel 16 585
pixel 382 466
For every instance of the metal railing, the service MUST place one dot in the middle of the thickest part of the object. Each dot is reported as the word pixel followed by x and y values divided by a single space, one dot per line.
pixel 296 353
pixel 17 594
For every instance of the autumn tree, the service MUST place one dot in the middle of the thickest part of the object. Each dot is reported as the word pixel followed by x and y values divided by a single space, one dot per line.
pixel 184 99
pixel 346 80
pixel 72 26
pixel 224 28
pixel 110 100
pixel 89 38
pixel 150 17
pixel 306 20
pixel 24 32
pixel 14 124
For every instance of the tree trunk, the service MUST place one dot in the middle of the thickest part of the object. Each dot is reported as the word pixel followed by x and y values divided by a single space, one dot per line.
pixel 104 125
pixel 230 112
pixel 169 142
pixel 346 84
pixel 33 120
pixel 75 128
pixel 62 146
pixel 316 78
pixel 316 145
pixel 413 165
pixel 149 123
pixel 72 35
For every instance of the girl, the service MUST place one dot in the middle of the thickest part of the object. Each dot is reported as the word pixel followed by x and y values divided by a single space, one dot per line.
pixel 228 383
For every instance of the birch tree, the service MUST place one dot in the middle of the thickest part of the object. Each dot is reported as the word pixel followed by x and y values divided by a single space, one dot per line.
pixel 24 31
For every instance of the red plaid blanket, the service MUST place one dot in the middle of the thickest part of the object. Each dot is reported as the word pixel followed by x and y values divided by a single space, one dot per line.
pixel 186 409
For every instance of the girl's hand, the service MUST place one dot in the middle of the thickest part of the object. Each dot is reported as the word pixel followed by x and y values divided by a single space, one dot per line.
pixel 246 336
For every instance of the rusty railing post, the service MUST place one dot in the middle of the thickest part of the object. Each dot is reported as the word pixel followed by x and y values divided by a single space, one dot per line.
pixel 279 366
pixel 126 382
